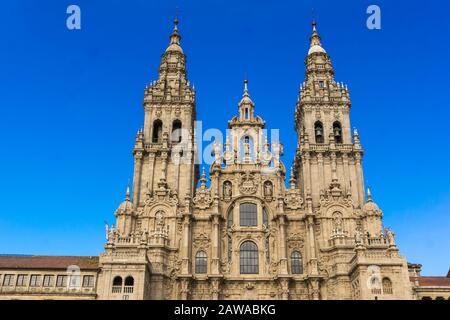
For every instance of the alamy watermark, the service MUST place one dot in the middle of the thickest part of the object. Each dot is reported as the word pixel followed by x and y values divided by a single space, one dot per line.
pixel 374 20
pixel 214 147
pixel 73 21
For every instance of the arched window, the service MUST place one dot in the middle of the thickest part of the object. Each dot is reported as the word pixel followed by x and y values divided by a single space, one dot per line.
pixel 201 262
pixel 176 131
pixel 129 285
pixel 248 215
pixel 157 131
pixel 318 132
pixel 249 258
pixel 427 298
pixel 440 298
pixel 387 286
pixel 117 285
pixel 337 132
pixel 129 281
pixel 296 263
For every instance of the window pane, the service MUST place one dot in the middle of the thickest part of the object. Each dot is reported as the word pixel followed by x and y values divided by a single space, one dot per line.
pixel 248 215
pixel 8 280
pixel 35 280
pixel 48 281
pixel 296 263
pixel 249 258
pixel 88 281
pixel 21 280
pixel 61 281
pixel 201 262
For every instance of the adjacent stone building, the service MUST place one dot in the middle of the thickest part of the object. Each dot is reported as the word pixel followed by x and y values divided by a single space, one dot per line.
pixel 242 233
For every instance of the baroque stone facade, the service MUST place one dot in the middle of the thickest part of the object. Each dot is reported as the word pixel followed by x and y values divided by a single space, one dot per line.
pixel 243 234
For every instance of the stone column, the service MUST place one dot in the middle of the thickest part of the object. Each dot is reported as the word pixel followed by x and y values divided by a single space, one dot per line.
pixel 215 289
pixel 151 170
pixel 184 292
pixel 284 284
pixel 177 160
pixel 307 171
pixel 359 178
pixel 215 259
pixel 185 265
pixel 312 245
pixel 137 177
pixel 346 171
pixel 283 252
pixel 314 289
pixel 164 157
pixel 321 174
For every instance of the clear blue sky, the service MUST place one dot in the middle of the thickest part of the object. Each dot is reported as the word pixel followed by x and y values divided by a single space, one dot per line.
pixel 70 104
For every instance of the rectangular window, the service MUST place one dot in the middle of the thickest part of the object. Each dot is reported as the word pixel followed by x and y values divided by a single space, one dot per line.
pixel 88 281
pixel 321 84
pixel 8 280
pixel 248 215
pixel 61 281
pixel 48 280
pixel 21 280
pixel 35 280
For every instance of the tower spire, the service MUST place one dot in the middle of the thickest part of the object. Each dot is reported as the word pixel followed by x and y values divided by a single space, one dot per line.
pixel 175 37
pixel 246 96
pixel 316 45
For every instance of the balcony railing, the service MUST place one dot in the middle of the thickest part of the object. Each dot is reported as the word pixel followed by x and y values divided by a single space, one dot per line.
pixel 117 289
pixel 128 289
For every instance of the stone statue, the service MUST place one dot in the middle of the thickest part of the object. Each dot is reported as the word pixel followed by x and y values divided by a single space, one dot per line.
pixel 359 237
pixel 159 216
pixel 268 192
pixel 390 236
pixel 246 148
pixel 337 221
pixel 111 234
pixel 227 189
pixel 144 237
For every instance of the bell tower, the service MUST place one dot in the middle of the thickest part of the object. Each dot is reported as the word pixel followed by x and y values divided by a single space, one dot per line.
pixel 326 151
pixel 167 140
pixel 153 226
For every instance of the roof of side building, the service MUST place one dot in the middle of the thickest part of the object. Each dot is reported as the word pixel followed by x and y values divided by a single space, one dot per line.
pixel 48 262
pixel 432 281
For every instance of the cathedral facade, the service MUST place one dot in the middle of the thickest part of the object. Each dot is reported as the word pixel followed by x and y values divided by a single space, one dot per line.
pixel 246 232
pixel 243 234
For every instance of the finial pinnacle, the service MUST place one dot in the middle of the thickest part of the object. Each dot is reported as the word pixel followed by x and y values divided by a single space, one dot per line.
pixel 203 177
pixel 127 194
pixel 369 195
